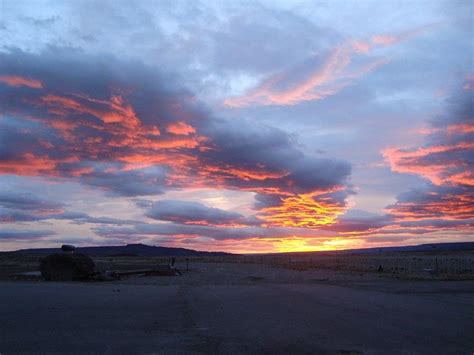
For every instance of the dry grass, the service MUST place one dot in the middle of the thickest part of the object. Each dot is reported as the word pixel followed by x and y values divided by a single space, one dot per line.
pixel 454 265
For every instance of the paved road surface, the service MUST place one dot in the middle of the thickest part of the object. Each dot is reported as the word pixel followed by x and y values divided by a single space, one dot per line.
pixel 250 318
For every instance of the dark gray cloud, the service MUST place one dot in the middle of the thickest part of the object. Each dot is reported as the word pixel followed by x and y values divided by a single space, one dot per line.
pixel 17 206
pixel 24 234
pixel 81 218
pixel 186 212
pixel 360 222
pixel 15 216
pixel 25 201
pixel 40 22
pixel 213 232
pixel 170 229
pixel 135 182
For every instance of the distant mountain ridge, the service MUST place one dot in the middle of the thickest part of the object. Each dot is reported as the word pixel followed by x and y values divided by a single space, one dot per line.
pixel 124 250
pixel 420 247
pixel 458 246
pixel 150 250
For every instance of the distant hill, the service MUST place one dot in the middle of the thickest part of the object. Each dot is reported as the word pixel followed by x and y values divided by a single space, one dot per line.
pixel 461 246
pixel 124 250
pixel 149 250
pixel 421 247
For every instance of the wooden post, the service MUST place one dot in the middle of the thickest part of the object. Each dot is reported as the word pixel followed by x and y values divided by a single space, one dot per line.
pixel 187 264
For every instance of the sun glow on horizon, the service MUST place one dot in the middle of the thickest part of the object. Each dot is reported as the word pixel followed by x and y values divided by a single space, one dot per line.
pixel 301 211
pixel 296 244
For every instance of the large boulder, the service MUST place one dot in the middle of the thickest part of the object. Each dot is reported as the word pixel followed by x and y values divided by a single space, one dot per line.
pixel 67 267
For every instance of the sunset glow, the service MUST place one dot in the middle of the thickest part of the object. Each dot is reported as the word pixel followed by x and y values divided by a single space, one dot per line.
pixel 214 130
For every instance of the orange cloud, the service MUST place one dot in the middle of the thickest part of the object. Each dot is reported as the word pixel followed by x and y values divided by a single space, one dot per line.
pixel 268 93
pixel 438 172
pixel 448 202
pixel 108 111
pixel 325 79
pixel 180 128
pixel 449 206
pixel 120 122
pixel 301 211
pixel 388 40
pixel 17 81
pixel 244 174
pixel 112 124
pixel 102 140
pixel 28 164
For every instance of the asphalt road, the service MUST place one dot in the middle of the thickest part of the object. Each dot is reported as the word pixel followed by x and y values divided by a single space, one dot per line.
pixel 250 318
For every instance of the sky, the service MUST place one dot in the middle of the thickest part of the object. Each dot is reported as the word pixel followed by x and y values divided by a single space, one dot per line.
pixel 256 126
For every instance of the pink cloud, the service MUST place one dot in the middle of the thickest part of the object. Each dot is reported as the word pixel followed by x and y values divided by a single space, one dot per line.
pixel 438 171
pixel 17 81
pixel 324 79
pixel 388 40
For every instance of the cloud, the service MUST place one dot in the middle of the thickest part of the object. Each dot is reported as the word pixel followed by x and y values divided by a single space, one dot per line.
pixel 186 212
pixel 9 235
pixel 15 216
pixel 134 182
pixel 178 230
pixel 438 163
pixel 279 89
pixel 17 81
pixel 388 40
pixel 357 222
pixel 316 78
pixel 214 232
pixel 28 202
pixel 302 210
pixel 435 202
pixel 25 207
pixel 323 74
pixel 81 218
pixel 180 128
pixel 132 131
pixel 41 22
pixel 446 161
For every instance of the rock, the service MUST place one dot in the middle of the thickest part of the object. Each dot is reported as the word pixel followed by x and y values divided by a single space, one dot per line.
pixel 67 267
pixel 68 248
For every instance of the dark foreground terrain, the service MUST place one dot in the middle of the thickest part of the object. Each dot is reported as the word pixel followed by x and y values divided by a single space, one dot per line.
pixel 226 308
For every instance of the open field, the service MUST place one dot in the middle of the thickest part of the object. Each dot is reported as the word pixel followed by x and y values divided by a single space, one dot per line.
pixel 237 307
pixel 436 265
pixel 447 265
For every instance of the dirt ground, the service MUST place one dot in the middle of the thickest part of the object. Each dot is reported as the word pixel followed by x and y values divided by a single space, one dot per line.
pixel 240 308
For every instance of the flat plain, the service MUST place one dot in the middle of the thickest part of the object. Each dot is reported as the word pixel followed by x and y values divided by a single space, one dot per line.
pixel 242 306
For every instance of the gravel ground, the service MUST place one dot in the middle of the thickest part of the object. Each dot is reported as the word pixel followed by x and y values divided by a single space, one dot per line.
pixel 229 308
